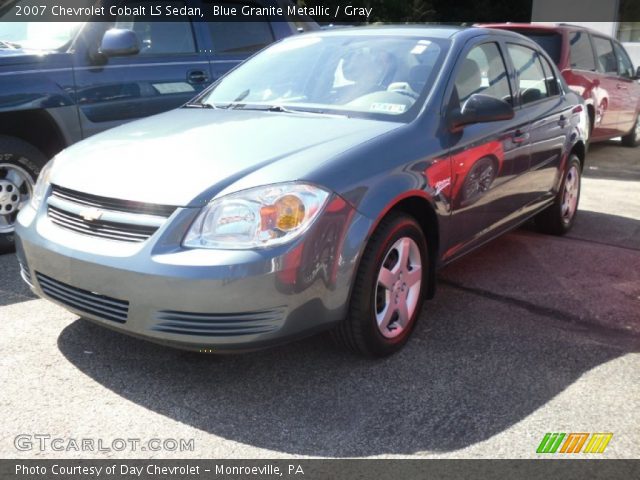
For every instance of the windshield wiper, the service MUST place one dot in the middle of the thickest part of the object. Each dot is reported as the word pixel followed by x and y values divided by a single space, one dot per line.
pixel 200 105
pixel 279 109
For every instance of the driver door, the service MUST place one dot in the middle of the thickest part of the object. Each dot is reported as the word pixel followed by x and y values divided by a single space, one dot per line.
pixel 168 71
pixel 488 160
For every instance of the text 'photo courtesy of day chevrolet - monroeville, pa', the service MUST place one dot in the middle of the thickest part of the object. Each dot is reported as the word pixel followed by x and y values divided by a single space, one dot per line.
pixel 319 239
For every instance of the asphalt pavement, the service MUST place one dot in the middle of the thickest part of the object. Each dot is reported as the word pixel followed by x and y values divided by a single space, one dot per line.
pixel 529 335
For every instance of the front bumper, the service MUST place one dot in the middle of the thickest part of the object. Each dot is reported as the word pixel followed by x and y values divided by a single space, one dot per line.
pixel 213 300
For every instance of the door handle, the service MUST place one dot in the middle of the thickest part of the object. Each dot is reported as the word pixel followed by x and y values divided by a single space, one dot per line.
pixel 562 122
pixel 520 137
pixel 197 76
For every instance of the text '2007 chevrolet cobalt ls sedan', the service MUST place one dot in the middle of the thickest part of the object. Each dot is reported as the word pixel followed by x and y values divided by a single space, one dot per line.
pixel 319 185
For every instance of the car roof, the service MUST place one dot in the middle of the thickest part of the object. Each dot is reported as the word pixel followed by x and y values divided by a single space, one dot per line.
pixel 416 30
pixel 550 27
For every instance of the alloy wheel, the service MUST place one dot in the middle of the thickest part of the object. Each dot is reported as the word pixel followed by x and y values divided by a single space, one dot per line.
pixel 16 188
pixel 398 287
pixel 571 194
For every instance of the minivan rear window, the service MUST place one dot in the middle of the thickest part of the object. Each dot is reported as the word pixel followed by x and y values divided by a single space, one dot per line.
pixel 551 42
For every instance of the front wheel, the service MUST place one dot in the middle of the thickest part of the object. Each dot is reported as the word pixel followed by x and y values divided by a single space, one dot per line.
pixel 559 217
pixel 389 289
pixel 632 139
pixel 20 164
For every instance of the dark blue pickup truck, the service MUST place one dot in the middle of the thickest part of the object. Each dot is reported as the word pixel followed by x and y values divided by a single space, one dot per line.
pixel 62 82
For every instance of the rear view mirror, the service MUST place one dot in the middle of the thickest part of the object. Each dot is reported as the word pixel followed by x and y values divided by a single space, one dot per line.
pixel 481 108
pixel 119 43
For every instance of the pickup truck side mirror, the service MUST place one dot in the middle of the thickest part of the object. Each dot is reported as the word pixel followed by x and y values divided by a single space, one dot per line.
pixel 118 42
pixel 481 108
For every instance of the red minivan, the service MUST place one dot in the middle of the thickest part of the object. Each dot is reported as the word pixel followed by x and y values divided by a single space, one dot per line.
pixel 597 67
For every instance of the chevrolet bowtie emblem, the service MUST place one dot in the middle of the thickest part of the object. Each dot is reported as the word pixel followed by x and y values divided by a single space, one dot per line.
pixel 91 214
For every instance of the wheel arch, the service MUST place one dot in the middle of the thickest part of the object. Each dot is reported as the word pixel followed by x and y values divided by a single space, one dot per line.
pixel 36 127
pixel 417 205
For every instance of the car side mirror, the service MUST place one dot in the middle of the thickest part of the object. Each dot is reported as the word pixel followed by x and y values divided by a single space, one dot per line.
pixel 479 109
pixel 118 42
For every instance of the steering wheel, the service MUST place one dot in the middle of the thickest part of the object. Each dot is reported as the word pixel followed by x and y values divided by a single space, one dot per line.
pixel 407 93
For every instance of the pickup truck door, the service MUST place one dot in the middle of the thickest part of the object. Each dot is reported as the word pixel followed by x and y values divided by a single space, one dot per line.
pixel 170 69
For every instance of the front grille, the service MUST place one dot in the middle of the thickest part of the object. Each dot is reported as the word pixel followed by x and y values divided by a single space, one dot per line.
pixel 84 301
pixel 114 204
pixel 219 325
pixel 99 228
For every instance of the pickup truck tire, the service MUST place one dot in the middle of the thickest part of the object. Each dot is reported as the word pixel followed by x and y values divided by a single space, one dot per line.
pixel 20 164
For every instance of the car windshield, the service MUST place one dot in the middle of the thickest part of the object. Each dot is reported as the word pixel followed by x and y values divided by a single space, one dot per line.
pixel 376 76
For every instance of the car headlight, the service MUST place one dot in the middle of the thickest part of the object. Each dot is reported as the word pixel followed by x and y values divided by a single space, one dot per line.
pixel 257 217
pixel 42 184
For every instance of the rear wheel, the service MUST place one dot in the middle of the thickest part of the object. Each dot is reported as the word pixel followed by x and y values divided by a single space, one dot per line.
pixel 632 139
pixel 20 164
pixel 559 217
pixel 389 289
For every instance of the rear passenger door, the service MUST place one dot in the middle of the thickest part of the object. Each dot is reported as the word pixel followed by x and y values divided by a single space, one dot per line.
pixel 607 65
pixel 629 88
pixel 542 101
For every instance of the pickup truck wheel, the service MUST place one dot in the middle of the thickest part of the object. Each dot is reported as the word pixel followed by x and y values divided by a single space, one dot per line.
pixel 632 139
pixel 388 291
pixel 558 218
pixel 20 164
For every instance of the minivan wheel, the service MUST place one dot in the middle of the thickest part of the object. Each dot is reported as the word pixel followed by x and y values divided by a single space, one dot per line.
pixel 20 164
pixel 388 292
pixel 558 218
pixel 632 139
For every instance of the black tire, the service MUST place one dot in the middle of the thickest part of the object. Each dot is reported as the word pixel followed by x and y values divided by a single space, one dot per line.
pixel 28 158
pixel 632 139
pixel 554 220
pixel 359 332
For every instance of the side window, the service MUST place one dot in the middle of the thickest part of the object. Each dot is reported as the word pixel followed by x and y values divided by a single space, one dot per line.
pixel 240 37
pixel 553 85
pixel 483 71
pixel 159 38
pixel 625 67
pixel 606 58
pixel 581 51
pixel 531 78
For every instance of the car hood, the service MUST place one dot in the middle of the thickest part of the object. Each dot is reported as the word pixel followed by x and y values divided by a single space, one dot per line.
pixel 186 157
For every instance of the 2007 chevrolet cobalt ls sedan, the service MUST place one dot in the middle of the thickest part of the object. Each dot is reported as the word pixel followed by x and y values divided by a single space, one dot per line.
pixel 317 186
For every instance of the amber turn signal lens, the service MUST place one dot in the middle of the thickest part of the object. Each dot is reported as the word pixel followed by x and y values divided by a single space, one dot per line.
pixel 289 212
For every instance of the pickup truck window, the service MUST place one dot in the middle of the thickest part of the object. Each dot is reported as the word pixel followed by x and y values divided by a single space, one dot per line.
pixel 240 37
pixel 159 38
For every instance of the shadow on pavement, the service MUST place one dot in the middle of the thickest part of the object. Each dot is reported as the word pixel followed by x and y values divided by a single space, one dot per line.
pixel 12 287
pixel 612 161
pixel 479 369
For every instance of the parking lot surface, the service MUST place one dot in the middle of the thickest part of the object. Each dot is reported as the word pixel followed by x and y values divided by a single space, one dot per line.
pixel 529 335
